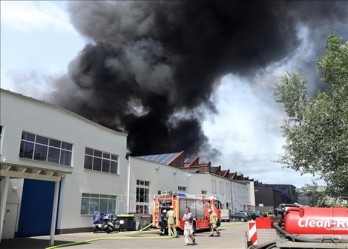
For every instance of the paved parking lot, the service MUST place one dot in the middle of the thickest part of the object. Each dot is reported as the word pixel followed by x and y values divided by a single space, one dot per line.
pixel 232 236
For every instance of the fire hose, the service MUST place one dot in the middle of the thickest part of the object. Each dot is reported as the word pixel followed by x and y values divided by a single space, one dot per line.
pixel 127 235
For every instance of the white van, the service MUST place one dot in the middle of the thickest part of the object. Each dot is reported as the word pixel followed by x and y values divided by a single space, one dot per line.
pixel 225 215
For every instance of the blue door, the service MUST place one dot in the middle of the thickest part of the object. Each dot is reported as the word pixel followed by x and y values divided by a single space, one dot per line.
pixel 36 208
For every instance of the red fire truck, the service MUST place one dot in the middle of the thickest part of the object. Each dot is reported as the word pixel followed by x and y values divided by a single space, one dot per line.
pixel 295 226
pixel 199 206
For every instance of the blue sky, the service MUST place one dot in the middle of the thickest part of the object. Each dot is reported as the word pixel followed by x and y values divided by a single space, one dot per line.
pixel 38 43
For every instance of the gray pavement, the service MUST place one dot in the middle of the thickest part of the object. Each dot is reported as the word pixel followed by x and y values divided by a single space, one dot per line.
pixel 232 236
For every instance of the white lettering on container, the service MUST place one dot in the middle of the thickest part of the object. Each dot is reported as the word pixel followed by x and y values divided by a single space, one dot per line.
pixel 336 224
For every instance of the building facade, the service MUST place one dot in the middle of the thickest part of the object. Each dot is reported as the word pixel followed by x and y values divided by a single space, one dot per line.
pixel 57 168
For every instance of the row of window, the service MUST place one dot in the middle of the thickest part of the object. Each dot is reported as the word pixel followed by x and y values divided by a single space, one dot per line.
pixel 50 150
pixel 101 161
pixel 45 149
pixel 95 202
pixel 221 187
pixel 107 203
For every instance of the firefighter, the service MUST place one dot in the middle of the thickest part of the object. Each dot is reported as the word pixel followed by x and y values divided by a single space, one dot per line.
pixel 188 228
pixel 268 213
pixel 213 223
pixel 163 222
pixel 171 219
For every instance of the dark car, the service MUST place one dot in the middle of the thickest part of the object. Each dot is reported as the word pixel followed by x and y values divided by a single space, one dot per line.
pixel 241 216
pixel 255 214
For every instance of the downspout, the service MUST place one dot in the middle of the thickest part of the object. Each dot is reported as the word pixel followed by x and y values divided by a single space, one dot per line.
pixel 128 183
pixel 3 203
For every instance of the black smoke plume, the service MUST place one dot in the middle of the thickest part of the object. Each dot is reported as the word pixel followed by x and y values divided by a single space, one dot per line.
pixel 150 67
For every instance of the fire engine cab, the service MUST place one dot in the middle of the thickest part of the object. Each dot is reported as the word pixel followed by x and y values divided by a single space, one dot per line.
pixel 199 206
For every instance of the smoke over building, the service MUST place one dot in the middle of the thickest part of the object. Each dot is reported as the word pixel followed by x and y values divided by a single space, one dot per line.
pixel 150 67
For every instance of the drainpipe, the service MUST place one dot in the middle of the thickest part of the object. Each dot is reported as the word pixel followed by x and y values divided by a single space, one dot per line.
pixel 128 183
pixel 3 203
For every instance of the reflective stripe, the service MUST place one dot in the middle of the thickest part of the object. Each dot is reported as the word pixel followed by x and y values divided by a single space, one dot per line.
pixel 252 234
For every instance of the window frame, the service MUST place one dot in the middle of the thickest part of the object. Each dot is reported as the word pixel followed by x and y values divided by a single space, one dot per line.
pixel 104 160
pixel 90 199
pixel 40 149
pixel 182 188
pixel 142 203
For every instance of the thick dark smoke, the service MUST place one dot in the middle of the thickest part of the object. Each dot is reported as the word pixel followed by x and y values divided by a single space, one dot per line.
pixel 151 67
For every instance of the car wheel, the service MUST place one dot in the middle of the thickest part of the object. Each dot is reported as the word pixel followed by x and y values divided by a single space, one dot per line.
pixel 242 219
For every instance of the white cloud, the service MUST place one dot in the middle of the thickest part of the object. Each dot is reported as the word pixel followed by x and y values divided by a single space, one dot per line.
pixel 247 131
pixel 35 16
pixel 246 120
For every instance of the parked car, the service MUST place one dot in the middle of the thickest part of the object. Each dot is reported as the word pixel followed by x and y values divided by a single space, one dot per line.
pixel 255 214
pixel 241 216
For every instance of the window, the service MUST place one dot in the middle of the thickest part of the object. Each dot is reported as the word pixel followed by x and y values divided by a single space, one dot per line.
pixel 45 149
pixel 204 192
pixel 214 186
pixel 142 209
pixel 95 202
pixel 221 184
pixel 0 136
pixel 101 161
pixel 218 204
pixel 181 188
pixel 142 197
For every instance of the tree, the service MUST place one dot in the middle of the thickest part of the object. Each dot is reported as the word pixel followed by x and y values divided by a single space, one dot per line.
pixel 316 129
pixel 315 195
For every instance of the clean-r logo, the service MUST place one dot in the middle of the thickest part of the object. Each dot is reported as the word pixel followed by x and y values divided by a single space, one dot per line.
pixel 334 224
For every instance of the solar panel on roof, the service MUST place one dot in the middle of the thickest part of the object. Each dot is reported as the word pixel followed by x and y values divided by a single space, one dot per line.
pixel 160 158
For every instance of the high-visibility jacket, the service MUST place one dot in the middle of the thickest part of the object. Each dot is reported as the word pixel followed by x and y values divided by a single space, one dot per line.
pixel 213 219
pixel 171 217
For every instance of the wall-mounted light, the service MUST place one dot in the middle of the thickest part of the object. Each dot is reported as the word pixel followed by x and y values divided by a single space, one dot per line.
pixel 157 168
pixel 174 172
pixel 188 176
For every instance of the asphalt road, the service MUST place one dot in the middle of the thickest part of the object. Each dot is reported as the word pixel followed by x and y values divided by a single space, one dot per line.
pixel 232 236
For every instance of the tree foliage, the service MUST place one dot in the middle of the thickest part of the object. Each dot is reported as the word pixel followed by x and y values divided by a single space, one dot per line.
pixel 316 129
pixel 316 196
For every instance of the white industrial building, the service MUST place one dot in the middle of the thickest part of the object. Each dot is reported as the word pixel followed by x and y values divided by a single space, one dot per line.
pixel 57 168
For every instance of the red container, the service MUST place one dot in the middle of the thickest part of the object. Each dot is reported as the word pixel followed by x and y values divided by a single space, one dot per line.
pixel 316 220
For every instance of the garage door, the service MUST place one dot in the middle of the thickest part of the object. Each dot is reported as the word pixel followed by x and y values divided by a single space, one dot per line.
pixel 36 208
